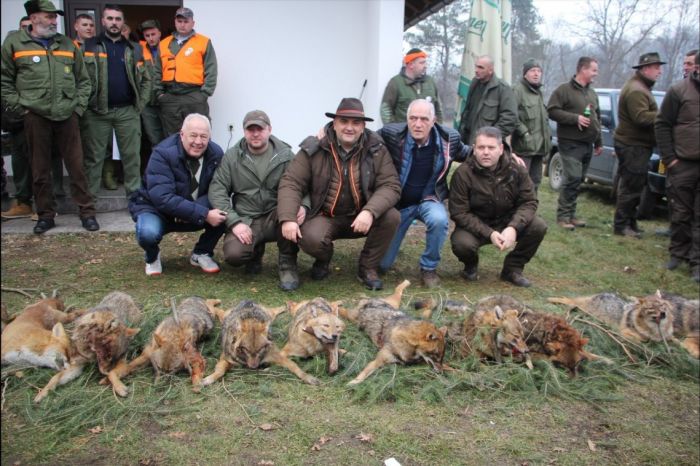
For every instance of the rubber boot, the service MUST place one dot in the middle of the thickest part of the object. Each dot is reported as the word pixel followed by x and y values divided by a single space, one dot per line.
pixel 289 274
pixel 108 180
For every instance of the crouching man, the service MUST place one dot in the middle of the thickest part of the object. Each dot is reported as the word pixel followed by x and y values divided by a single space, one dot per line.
pixel 174 195
pixel 493 200
pixel 352 185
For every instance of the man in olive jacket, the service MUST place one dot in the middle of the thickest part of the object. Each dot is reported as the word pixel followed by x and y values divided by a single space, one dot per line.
pixel 532 138
pixel 634 141
pixel 677 135
pixel 245 187
pixel 353 187
pixel 492 200
pixel 44 79
pixel 490 102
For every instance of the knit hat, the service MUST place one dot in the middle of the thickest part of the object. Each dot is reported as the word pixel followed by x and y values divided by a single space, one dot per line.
pixel 531 63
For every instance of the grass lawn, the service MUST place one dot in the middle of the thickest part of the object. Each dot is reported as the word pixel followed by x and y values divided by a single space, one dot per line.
pixel 643 412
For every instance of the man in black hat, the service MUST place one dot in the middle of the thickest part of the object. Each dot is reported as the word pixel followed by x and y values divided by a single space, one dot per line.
pixel 44 79
pixel 353 187
pixel 634 141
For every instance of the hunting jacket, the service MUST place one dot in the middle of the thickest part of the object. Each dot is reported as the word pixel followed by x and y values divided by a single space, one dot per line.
pixel 51 82
pixel 636 111
pixel 237 189
pixel 678 122
pixel 310 172
pixel 137 71
pixel 401 90
pixel 484 201
pixel 497 107
pixel 166 184
pixel 566 103
pixel 532 135
pixel 395 137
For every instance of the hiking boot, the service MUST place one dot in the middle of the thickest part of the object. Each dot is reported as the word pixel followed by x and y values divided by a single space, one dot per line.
pixel 43 225
pixel 577 222
pixel 470 273
pixel 370 278
pixel 108 180
pixel 253 267
pixel 155 267
pixel 288 273
pixel 566 225
pixel 90 223
pixel 673 263
pixel 35 217
pixel 320 270
pixel 629 232
pixel 516 278
pixel 18 210
pixel 204 262
pixel 429 278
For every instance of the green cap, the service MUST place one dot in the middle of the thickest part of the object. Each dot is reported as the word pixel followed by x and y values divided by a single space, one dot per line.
pixel 36 6
pixel 149 24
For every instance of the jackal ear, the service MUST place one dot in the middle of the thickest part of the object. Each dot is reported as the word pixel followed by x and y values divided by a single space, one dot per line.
pixel 335 306
pixel 499 312
pixel 58 331
pixel 309 330
pixel 130 332
pixel 160 341
pixel 443 330
pixel 658 294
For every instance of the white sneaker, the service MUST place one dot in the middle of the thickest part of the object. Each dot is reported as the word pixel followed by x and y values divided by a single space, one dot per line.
pixel 155 267
pixel 204 262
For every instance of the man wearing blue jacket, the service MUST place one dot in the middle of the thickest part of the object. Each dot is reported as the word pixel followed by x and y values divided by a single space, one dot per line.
pixel 422 151
pixel 174 195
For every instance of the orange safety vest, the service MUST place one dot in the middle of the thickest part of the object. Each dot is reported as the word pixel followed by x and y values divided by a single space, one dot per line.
pixel 187 66
pixel 147 56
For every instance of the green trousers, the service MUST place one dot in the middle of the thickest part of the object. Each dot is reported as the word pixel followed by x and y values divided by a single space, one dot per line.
pixel 152 126
pixel 175 107
pixel 126 124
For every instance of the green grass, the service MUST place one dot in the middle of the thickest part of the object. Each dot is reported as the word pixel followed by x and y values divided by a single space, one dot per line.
pixel 643 412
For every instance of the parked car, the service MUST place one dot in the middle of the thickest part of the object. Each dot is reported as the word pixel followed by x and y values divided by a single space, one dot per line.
pixel 603 168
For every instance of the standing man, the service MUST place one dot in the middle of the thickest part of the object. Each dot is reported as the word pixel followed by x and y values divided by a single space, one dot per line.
pixel 245 187
pixel 677 134
pixel 353 187
pixel 187 75
pixel 493 201
pixel 532 138
pixel 574 106
pixel 689 65
pixel 490 102
pixel 150 115
pixel 422 151
pixel 44 79
pixel 410 84
pixel 84 26
pixel 174 195
pixel 634 141
pixel 121 87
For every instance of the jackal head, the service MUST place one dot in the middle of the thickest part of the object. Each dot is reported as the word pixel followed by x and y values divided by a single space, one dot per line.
pixel 510 339
pixel 429 343
pixel 104 336
pixel 324 323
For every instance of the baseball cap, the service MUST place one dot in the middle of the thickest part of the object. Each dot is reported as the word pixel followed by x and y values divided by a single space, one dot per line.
pixel 256 117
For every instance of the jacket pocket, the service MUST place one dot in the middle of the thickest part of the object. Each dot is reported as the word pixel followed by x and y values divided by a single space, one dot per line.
pixel 489 112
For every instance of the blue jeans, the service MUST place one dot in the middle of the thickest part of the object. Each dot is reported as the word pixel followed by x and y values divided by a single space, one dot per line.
pixel 434 215
pixel 150 229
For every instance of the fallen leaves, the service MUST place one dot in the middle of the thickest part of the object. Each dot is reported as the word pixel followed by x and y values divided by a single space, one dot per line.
pixel 591 445
pixel 321 441
pixel 178 435
pixel 365 438
pixel 266 427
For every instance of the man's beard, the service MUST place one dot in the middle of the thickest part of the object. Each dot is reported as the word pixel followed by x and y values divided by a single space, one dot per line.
pixel 45 32
pixel 113 35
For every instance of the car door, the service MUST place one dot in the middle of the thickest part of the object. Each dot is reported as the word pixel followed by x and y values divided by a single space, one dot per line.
pixel 602 167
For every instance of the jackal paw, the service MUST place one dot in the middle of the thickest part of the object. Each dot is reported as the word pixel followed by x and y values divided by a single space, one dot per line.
pixel 40 396
pixel 120 390
pixel 311 380
pixel 354 382
pixel 207 381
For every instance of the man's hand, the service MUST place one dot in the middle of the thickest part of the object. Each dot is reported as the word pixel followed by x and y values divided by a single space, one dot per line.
pixel 583 122
pixel 363 222
pixel 301 215
pixel 597 151
pixel 243 233
pixel 673 162
pixel 518 160
pixel 215 217
pixel 291 231
pixel 505 239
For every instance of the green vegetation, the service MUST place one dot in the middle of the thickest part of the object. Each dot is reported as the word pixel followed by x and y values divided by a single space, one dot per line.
pixel 643 412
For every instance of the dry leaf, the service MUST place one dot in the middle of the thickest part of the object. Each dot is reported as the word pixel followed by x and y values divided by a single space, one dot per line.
pixel 96 430
pixel 591 445
pixel 253 290
pixel 362 437
pixel 178 435
pixel 266 427
pixel 119 439
pixel 628 269
pixel 321 441
pixel 95 261
pixel 19 374
pixel 558 450
pixel 266 463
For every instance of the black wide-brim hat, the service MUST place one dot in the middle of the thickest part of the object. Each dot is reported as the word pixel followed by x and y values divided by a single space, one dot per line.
pixel 350 107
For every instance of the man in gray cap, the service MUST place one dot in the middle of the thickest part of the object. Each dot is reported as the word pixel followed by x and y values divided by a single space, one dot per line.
pixel 245 187
pixel 634 140
pixel 44 79
pixel 186 77
pixel 531 139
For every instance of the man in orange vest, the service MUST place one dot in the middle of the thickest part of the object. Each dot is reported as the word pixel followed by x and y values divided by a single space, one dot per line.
pixel 150 115
pixel 186 77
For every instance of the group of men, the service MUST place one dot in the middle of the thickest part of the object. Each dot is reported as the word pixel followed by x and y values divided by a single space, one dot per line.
pixel 72 97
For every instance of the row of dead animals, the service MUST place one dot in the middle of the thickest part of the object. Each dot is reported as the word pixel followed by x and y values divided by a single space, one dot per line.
pixel 500 326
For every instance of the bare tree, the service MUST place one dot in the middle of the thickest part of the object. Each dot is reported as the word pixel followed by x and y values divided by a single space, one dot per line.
pixel 676 39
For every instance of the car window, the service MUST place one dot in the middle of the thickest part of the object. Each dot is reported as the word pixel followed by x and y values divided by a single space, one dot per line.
pixel 605 103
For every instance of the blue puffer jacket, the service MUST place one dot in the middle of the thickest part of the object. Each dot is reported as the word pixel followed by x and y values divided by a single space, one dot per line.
pixel 166 183
pixel 402 149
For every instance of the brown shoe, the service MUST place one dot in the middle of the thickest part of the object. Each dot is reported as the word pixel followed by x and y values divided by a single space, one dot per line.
pixel 566 225
pixel 577 222
pixel 430 278
pixel 18 210
pixel 629 232
pixel 370 278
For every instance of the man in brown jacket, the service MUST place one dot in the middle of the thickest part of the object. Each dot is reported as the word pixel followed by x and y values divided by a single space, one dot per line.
pixel 493 200
pixel 634 141
pixel 353 187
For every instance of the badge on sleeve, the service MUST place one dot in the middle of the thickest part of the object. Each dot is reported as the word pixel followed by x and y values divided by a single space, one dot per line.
pixel 36 59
